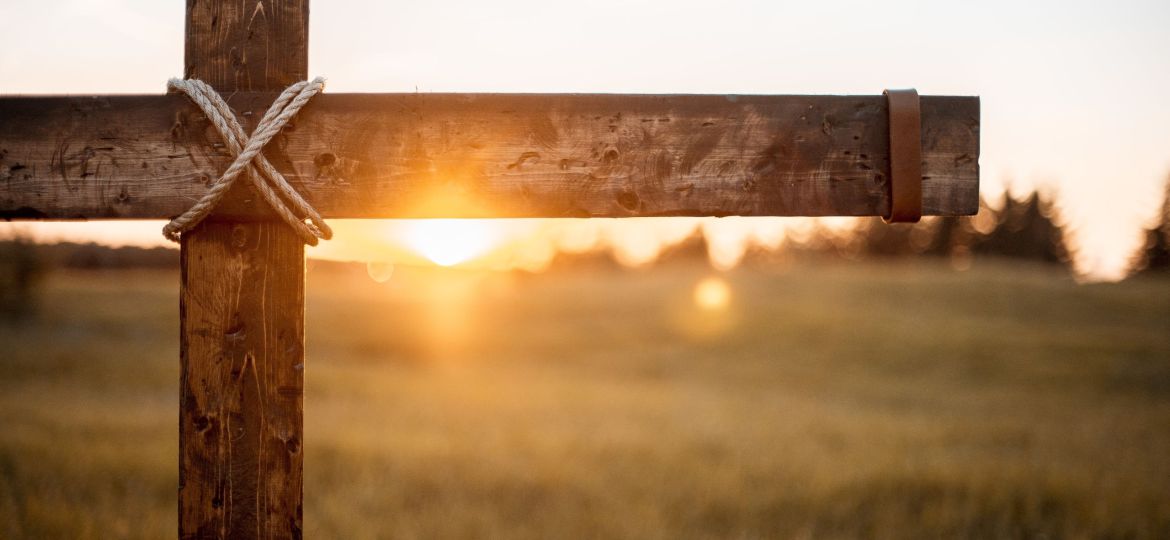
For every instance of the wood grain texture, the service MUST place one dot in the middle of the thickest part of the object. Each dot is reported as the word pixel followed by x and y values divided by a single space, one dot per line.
pixel 241 45
pixel 241 387
pixel 242 308
pixel 488 155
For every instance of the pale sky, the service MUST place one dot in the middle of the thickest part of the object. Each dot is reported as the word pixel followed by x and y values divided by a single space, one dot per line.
pixel 1075 95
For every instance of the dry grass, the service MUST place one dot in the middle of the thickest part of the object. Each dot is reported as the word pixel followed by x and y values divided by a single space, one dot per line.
pixel 835 401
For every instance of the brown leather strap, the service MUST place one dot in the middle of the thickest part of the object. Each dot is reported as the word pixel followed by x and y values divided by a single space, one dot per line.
pixel 905 156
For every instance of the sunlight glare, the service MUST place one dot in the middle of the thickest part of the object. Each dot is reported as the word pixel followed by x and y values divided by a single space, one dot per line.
pixel 448 242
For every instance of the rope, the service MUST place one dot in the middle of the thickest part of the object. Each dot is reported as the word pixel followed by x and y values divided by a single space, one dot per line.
pixel 272 186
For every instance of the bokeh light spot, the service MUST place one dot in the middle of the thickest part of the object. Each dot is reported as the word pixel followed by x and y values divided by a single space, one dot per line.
pixel 712 294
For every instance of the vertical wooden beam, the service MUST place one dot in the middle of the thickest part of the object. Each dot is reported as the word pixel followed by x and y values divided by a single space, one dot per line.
pixel 242 308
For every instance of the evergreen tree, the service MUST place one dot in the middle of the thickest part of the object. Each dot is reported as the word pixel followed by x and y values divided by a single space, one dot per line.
pixel 1154 255
pixel 1026 229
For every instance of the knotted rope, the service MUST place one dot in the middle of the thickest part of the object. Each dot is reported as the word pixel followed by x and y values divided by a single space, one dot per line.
pixel 268 181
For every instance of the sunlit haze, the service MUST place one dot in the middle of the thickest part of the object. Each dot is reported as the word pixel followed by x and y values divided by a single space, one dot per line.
pixel 1073 94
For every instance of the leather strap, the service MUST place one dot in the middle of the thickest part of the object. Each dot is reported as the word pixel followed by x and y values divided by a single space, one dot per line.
pixel 905 156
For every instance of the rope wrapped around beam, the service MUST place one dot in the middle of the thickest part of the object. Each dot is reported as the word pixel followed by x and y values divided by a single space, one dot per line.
pixel 271 185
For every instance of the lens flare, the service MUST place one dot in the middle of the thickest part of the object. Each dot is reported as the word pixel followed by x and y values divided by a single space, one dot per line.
pixel 380 271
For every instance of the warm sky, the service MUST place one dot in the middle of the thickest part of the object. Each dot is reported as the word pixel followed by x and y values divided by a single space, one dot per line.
pixel 1074 94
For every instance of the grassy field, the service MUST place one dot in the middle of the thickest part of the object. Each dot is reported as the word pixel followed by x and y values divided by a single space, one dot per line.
pixel 848 400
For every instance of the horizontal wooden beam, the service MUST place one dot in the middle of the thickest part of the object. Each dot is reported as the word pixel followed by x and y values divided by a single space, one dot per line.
pixel 488 155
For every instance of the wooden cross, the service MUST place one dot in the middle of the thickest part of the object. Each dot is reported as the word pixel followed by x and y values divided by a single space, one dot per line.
pixel 411 155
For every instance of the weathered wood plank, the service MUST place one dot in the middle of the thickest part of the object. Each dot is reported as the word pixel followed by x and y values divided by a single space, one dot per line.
pixel 242 359
pixel 489 155
pixel 242 309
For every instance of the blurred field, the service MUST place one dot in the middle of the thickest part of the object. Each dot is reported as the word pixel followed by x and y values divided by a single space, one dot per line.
pixel 848 400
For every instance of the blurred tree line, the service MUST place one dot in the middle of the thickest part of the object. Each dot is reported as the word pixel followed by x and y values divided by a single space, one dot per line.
pixel 1028 228
pixel 1024 228
pixel 24 265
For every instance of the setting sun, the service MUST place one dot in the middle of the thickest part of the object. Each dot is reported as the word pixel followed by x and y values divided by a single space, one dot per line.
pixel 448 242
